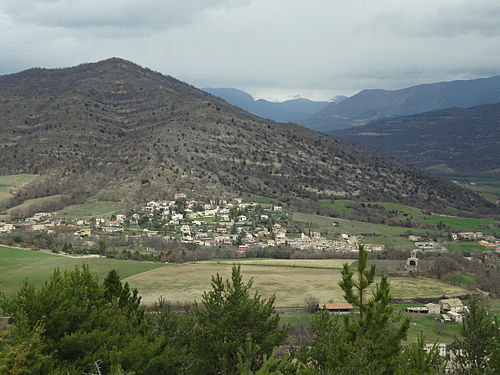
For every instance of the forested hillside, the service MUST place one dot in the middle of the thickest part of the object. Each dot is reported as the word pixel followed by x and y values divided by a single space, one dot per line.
pixel 124 132
pixel 454 141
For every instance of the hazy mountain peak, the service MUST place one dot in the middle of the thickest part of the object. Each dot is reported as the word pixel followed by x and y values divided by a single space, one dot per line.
pixel 337 99
pixel 287 111
pixel 373 104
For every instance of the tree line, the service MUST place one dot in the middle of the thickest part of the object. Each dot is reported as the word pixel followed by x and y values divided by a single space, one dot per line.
pixel 76 325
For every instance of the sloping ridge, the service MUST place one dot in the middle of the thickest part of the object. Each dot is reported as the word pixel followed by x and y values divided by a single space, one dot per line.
pixel 114 127
pixel 370 105
pixel 452 141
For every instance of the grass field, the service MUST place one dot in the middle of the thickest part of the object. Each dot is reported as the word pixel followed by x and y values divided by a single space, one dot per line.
pixel 391 235
pixel 10 184
pixel 290 280
pixel 458 223
pixel 16 265
pixel 303 263
pixel 462 247
pixel 433 329
pixel 262 199
pixel 385 234
pixel 489 188
pixel 90 210
pixel 464 223
pixel 339 204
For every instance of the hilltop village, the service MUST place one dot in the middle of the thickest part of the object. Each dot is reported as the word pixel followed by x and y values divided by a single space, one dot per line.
pixel 218 223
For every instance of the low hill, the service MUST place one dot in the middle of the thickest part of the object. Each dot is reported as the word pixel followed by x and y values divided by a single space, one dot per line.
pixel 456 141
pixel 370 105
pixel 287 111
pixel 113 130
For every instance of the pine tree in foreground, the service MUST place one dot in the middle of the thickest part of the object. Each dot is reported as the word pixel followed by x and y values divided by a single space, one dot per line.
pixel 369 343
pixel 229 316
pixel 478 349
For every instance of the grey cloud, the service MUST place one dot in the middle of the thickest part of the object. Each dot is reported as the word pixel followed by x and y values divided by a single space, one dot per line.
pixel 317 48
pixel 107 14
pixel 448 20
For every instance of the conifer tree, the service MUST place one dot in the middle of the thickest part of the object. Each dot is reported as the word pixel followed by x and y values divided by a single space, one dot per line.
pixel 475 350
pixel 368 343
pixel 229 316
pixel 414 360
pixel 25 356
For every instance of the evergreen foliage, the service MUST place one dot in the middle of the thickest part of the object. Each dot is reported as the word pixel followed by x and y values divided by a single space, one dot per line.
pixel 84 321
pixel 228 316
pixel 74 323
pixel 369 343
pixel 478 348
pixel 415 361
pixel 24 356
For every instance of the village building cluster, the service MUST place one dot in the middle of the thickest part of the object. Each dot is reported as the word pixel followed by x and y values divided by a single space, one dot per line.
pixel 205 223
pixel 216 223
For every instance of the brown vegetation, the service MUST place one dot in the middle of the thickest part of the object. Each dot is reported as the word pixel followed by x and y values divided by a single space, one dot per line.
pixel 113 125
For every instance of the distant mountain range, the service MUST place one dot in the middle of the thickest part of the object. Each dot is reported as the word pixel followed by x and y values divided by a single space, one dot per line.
pixel 113 130
pixel 370 105
pixel 454 141
pixel 293 110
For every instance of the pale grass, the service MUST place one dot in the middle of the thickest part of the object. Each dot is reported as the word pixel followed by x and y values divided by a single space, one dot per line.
pixel 291 285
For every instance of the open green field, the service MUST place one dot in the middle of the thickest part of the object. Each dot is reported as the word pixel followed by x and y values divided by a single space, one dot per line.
pixel 10 184
pixel 390 235
pixel 489 188
pixel 290 280
pixel 432 328
pixel 464 224
pixel 90 210
pixel 16 265
pixel 263 199
pixel 303 263
pixel 341 205
pixel 455 222
pixel 385 234
pixel 462 247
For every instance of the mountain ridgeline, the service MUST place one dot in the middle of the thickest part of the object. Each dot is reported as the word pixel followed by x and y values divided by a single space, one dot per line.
pixel 292 110
pixel 453 141
pixel 114 130
pixel 371 105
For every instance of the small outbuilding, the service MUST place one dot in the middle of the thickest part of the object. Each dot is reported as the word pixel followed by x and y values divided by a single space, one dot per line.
pixel 433 308
pixel 341 308
pixel 417 310
pixel 452 304
pixel 456 317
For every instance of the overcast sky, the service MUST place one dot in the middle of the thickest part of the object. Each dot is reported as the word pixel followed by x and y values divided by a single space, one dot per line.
pixel 275 49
